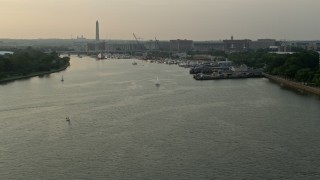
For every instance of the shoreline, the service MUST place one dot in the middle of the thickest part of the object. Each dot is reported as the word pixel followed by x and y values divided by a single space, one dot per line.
pixel 293 85
pixel 33 74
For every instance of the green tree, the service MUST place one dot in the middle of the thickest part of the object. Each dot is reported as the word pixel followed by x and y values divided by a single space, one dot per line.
pixel 304 75
pixel 29 60
pixel 316 79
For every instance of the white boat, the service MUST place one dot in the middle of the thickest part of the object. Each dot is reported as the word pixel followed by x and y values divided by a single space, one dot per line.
pixel 100 56
pixel 157 83
pixel 134 63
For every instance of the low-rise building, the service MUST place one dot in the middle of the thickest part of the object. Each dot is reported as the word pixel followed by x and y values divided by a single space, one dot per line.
pixel 208 45
pixel 181 45
pixel 236 45
pixel 115 46
pixel 96 46
pixel 262 44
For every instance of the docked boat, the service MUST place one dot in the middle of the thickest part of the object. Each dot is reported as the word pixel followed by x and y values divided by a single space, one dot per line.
pixel 100 56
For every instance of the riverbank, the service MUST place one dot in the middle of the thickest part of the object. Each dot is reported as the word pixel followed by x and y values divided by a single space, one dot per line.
pixel 293 85
pixel 33 74
pixel 201 76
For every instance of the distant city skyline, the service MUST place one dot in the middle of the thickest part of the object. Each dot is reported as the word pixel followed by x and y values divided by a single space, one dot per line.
pixel 165 19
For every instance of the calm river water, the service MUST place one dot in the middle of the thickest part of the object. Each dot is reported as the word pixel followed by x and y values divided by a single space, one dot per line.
pixel 123 127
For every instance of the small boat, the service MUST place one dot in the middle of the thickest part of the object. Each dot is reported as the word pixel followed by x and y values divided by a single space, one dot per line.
pixel 68 120
pixel 134 63
pixel 157 83
pixel 62 78
pixel 100 56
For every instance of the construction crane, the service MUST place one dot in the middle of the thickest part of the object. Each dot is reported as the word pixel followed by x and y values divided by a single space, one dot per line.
pixel 139 44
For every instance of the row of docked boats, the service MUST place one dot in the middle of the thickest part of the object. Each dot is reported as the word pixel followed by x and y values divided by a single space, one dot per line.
pixel 212 70
pixel 215 76
pixel 209 72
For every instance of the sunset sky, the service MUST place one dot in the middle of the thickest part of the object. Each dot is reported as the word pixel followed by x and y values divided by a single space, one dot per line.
pixel 164 19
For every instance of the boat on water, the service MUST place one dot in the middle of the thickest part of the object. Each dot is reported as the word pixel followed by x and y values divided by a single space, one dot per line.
pixel 134 63
pixel 100 56
pixel 68 120
pixel 157 83
pixel 62 78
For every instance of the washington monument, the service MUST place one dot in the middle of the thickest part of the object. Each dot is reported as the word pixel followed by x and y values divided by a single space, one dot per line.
pixel 97 30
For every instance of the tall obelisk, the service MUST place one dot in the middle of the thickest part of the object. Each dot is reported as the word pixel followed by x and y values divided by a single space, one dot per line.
pixel 97 30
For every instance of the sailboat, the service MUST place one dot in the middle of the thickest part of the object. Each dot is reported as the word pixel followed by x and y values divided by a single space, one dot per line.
pixel 62 78
pixel 157 83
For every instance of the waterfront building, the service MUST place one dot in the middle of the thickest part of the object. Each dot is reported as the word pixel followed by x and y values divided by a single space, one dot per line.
pixel 115 46
pixel 285 47
pixel 313 46
pixel 150 45
pixel 301 44
pixel 309 45
pixel 164 45
pixel 101 46
pixel 236 45
pixel 208 45
pixel 262 44
pixel 91 46
pixel 96 46
pixel 181 45
pixel 156 45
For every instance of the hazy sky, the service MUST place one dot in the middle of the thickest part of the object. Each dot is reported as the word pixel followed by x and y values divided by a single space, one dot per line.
pixel 164 19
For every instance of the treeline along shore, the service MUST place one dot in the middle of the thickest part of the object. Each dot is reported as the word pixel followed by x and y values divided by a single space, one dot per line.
pixel 293 85
pixel 301 66
pixel 299 70
pixel 29 63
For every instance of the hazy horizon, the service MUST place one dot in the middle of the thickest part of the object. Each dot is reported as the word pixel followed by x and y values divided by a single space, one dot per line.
pixel 175 19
